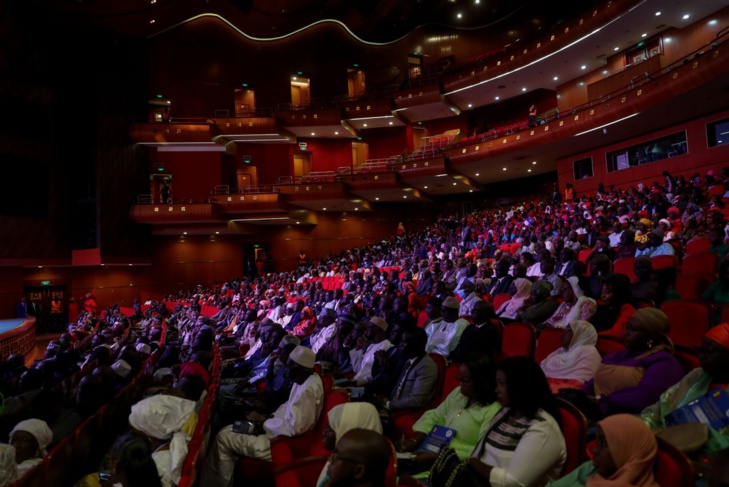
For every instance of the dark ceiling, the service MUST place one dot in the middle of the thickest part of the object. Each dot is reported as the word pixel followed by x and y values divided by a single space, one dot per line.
pixel 505 21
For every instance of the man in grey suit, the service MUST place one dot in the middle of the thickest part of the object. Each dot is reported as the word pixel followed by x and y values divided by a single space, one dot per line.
pixel 417 381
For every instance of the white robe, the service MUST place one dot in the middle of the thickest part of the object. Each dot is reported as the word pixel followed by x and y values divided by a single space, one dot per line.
pixel 445 337
pixel 364 372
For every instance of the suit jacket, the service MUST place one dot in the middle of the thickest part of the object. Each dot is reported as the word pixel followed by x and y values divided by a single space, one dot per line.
pixel 572 269
pixel 419 385
pixel 500 287
pixel 475 339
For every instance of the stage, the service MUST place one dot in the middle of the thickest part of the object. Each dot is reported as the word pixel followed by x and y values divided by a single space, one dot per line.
pixel 17 336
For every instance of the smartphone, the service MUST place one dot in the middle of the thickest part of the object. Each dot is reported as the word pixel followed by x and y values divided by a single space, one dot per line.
pixel 247 427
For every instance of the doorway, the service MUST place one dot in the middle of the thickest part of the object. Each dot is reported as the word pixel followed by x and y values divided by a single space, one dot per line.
pixel 161 188
pixel 300 92
pixel 302 164
pixel 245 103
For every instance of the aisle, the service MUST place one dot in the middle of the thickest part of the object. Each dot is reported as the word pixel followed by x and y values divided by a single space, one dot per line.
pixel 41 343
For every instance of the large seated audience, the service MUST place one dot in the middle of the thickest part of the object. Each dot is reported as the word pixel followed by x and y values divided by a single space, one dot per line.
pixel 414 337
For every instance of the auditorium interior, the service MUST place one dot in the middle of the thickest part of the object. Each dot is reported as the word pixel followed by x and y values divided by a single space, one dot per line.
pixel 167 144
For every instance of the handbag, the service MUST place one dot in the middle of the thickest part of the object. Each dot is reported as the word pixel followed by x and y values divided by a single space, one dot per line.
pixel 450 471
pixel 686 437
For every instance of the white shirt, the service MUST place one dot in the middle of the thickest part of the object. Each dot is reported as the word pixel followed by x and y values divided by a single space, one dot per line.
pixel 364 372
pixel 446 336
pixel 466 308
pixel 300 413
pixel 320 339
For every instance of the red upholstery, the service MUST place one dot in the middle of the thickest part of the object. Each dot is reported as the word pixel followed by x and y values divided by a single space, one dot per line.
pixel 451 379
pixel 607 344
pixel 696 245
pixel 625 266
pixel 689 321
pixel 500 299
pixel 519 339
pixel 688 358
pixel 574 430
pixel 422 319
pixel 584 254
pixel 692 286
pixel 549 340
pixel 663 261
pixel 57 464
pixel 701 262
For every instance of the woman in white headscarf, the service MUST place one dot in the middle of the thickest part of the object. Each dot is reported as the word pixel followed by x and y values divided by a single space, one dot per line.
pixel 576 361
pixel 30 438
pixel 7 465
pixel 575 305
pixel 342 419
pixel 510 309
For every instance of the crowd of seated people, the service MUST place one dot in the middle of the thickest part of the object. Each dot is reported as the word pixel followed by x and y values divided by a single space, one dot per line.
pixel 386 321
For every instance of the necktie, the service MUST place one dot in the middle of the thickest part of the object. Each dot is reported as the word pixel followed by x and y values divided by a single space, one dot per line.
pixel 398 391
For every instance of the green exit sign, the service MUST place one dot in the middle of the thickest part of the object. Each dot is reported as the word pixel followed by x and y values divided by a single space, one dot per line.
pixel 45 283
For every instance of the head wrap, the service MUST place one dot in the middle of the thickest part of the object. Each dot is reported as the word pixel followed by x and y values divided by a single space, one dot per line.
pixel 574 282
pixel 542 288
pixel 719 334
pixel 143 348
pixel 655 323
pixel 579 361
pixel 122 368
pixel 346 417
pixel 379 323
pixel 633 448
pixel 160 416
pixel 645 221
pixel 303 356
pixel 40 431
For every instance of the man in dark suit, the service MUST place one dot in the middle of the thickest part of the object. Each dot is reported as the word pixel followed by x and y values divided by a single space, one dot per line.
pixel 569 266
pixel 416 384
pixel 502 281
pixel 481 337
pixel 22 308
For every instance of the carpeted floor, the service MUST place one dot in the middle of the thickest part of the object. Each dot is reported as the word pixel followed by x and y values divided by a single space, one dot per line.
pixel 41 343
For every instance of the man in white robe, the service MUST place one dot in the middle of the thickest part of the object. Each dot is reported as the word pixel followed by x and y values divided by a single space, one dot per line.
pixel 445 337
pixel 376 333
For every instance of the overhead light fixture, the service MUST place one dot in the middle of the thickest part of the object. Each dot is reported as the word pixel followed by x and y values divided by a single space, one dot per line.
pixel 336 133
pixel 556 78
pixel 644 34
pixel 616 49
pixel 470 191
pixel 523 89
pixel 534 162
pixel 392 123
pixel 425 187
pixel 496 98
pixel 298 223
pixel 459 15
pixel 364 124
pixel 294 78
pixel 583 67
pixel 405 197
pixel 152 21
pixel 529 170
pixel 477 174
pixel 658 13
pixel 605 71
pixel 470 105
pixel 377 199
pixel 713 22
pixel 324 209
pixel 356 209
pixel 504 169
pixel 686 16
pixel 184 233
pixel 313 133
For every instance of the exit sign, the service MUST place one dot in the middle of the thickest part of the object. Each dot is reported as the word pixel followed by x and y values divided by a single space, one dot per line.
pixel 45 283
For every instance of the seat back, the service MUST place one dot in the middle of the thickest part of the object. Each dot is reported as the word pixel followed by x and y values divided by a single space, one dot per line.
pixel 663 261
pixel 584 254
pixel 450 381
pixel 688 358
pixel 689 321
pixel 672 468
pixel 519 340
pixel 607 344
pixel 422 319
pixel 696 245
pixel 693 285
pixel 574 430
pixel 500 299
pixel 548 341
pixel 442 364
pixel 701 262
pixel 625 265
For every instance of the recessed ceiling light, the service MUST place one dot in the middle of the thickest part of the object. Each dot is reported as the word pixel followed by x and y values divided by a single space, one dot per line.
pixel 470 105
pixel 298 223
pixel 504 169
pixel 496 98
pixel 152 21
pixel 313 133
pixel 686 16
pixel 581 83
pixel 356 209
pixel 130 265
pixel 364 124
pixel 713 22
pixel 153 2
pixel 324 209
pixel 405 197
pixel 184 233
pixel 470 191
pixel 644 35
pixel 391 123
pixel 377 199
pixel 616 49
pixel 605 71
pixel 425 187
pixel 529 170
pixel 477 2
pixel 667 39
pixel 217 233
pixel 459 15
pixel 523 89
pixel 336 133
pixel 583 67
pixel 294 78
pixel 477 174
pixel 534 162
pixel 658 13
pixel 556 78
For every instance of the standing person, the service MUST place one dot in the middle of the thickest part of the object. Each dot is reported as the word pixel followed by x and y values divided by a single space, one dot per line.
pixel 90 304
pixel 569 193
pixel 22 308
pixel 56 313
pixel 532 116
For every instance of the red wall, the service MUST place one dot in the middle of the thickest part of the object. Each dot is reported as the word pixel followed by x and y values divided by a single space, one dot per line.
pixel 270 160
pixel 329 154
pixel 698 159
pixel 386 142
pixel 194 174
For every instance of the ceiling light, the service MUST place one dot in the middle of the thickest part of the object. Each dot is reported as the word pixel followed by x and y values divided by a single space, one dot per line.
pixel 470 105
pixel 556 78
pixel 477 2
pixel 658 13
pixel 313 133
pixel 454 184
pixel 470 191
pixel 130 265
pixel 217 233
pixel 605 71
pixel 477 174
pixel 152 21
pixel 686 16
pixel 364 124
pixel 459 15
pixel 184 233
pixel 356 209
pixel 616 49
pixel 667 39
pixel 405 197
pixel 534 163
pixel 496 98
pixel 336 133
pixel 153 2
pixel 644 35
pixel 391 123
pixel 529 170
pixel 298 223
pixel 583 67
pixel 294 78
pixel 523 89
pixel 377 199
pixel 425 187
pixel 324 209
pixel 713 22
pixel 504 169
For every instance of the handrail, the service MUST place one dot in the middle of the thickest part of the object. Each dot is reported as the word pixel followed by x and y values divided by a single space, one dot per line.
pixel 221 189
pixel 261 188
pixel 145 199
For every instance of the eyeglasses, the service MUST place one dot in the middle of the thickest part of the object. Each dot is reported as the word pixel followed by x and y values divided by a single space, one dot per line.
pixel 337 457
